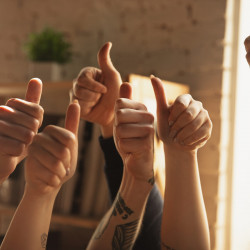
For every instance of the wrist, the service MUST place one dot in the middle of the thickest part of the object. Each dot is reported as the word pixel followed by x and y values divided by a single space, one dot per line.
pixel 138 188
pixel 107 130
pixel 33 195
pixel 175 151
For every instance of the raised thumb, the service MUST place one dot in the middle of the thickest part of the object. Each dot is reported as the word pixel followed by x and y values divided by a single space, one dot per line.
pixel 34 90
pixel 104 59
pixel 159 91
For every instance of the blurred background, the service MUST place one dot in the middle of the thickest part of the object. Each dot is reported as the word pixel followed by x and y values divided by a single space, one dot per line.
pixel 198 43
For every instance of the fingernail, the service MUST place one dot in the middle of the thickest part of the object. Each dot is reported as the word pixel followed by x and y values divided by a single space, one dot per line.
pixel 172 134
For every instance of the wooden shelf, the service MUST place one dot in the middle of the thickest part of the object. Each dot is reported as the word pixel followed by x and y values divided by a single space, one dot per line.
pixel 54 100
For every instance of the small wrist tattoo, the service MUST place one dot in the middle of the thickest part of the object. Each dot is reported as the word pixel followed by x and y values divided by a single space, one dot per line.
pixel 44 238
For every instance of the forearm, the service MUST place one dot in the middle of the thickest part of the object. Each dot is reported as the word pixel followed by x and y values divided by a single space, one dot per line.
pixel 184 224
pixel 120 226
pixel 30 225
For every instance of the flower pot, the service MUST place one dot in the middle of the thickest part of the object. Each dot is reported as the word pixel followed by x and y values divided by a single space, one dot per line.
pixel 46 71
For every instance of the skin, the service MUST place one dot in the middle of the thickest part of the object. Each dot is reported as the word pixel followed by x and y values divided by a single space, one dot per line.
pixel 19 123
pixel 51 162
pixel 134 135
pixel 183 127
pixel 247 47
pixel 97 91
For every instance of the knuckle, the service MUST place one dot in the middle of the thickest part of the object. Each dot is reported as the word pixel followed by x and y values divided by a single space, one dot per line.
pixel 10 101
pixel 150 130
pixel 188 115
pixel 180 104
pixel 119 114
pixel 144 107
pixel 119 102
pixel 29 135
pixel 34 124
pixel 64 153
pixel 55 162
pixel 70 139
pixel 199 104
pixel 40 111
pixel 150 117
pixel 54 180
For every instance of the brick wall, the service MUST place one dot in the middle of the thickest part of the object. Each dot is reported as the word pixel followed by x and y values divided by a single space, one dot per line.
pixel 179 40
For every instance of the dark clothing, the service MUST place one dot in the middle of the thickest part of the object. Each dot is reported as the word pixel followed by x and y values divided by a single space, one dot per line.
pixel 149 237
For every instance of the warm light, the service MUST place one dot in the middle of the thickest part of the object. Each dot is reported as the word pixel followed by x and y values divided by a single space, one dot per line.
pixel 240 230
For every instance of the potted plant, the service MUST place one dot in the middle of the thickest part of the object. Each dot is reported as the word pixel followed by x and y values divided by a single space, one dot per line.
pixel 47 50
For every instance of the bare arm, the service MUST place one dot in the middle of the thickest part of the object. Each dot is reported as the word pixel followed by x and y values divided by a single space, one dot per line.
pixel 19 122
pixel 183 127
pixel 51 161
pixel 134 135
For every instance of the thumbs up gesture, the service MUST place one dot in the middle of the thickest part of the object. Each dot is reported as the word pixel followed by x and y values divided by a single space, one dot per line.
pixel 19 122
pixel 97 89
pixel 134 136
pixel 183 125
pixel 52 156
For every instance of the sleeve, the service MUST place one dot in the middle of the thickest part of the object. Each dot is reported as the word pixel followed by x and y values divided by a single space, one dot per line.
pixel 149 237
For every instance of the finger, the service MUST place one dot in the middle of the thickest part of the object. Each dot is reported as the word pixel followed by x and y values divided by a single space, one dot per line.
pixel 247 44
pixel 203 132
pixel 52 146
pixel 124 103
pixel 159 91
pixel 186 117
pixel 16 132
pixel 34 91
pixel 26 107
pixel 73 117
pixel 180 104
pixel 62 135
pixel 19 118
pixel 193 126
pixel 89 79
pixel 85 94
pixel 10 146
pixel 133 130
pixel 126 90
pixel 104 59
pixel 133 116
pixel 48 160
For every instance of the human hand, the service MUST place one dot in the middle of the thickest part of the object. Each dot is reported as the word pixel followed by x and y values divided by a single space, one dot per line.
pixel 19 122
pixel 185 124
pixel 52 156
pixel 134 135
pixel 247 46
pixel 97 89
